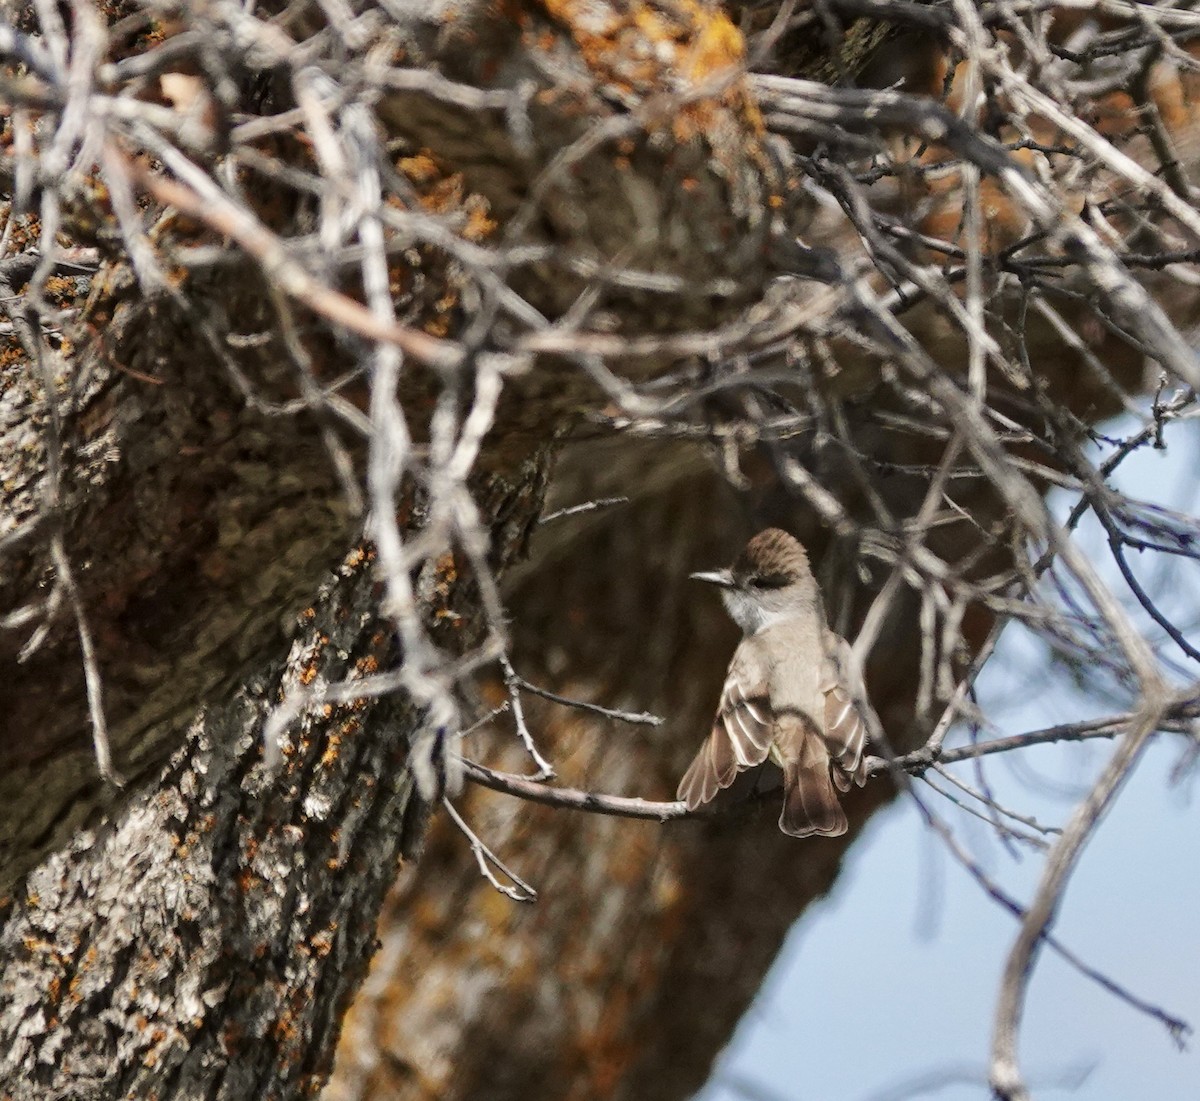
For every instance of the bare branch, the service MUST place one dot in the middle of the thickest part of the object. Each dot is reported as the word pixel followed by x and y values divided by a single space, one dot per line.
pixel 570 799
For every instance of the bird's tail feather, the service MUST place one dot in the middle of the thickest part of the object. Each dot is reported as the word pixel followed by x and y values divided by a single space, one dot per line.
pixel 810 803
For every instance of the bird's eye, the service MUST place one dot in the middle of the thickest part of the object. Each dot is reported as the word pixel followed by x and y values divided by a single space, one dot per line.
pixel 768 581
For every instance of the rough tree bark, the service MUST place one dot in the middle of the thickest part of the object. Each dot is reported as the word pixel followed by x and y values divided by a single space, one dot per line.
pixel 197 932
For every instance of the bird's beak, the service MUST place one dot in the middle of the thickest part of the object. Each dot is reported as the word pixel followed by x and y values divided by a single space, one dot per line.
pixel 724 578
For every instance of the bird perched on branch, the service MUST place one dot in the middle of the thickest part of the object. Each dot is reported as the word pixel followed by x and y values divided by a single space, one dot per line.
pixel 789 695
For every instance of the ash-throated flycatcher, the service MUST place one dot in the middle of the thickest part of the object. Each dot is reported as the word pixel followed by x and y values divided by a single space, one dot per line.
pixel 789 694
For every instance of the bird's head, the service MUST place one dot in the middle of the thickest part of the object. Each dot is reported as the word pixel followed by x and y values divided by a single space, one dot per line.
pixel 771 581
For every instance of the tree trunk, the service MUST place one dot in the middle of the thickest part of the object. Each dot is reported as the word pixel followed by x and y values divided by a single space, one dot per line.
pixel 198 931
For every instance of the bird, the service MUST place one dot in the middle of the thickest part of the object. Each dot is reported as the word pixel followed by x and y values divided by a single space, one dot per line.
pixel 790 694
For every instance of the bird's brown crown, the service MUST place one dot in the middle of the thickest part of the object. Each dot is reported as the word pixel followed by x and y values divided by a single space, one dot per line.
pixel 775 556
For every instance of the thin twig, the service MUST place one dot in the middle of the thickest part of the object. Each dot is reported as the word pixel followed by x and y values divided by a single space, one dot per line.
pixel 91 668
pixel 635 718
pixel 1005 1074
pixel 587 506
pixel 514 684
pixel 485 858
pixel 619 806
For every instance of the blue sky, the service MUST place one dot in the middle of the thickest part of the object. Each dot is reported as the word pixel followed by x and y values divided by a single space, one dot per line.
pixel 906 954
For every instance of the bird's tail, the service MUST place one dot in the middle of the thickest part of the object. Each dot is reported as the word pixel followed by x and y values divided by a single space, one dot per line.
pixel 810 803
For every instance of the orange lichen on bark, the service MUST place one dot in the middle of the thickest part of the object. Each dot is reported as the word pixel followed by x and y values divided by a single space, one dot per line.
pixel 1123 116
pixel 321 943
pixel 446 570
pixel 330 755
pixel 442 191
pixel 687 48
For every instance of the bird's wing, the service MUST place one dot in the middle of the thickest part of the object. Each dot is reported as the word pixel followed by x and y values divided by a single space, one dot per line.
pixel 741 733
pixel 845 730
